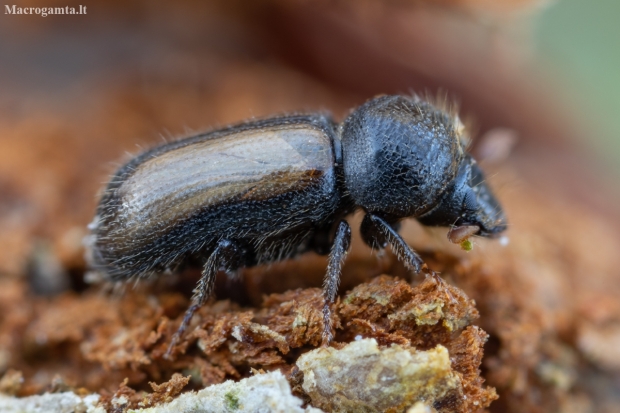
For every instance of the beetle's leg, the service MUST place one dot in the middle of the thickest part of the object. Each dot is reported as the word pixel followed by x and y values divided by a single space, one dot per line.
pixel 224 255
pixel 340 247
pixel 376 229
pixel 377 233
pixel 373 236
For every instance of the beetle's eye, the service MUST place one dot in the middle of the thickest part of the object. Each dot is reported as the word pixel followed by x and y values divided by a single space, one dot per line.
pixel 470 203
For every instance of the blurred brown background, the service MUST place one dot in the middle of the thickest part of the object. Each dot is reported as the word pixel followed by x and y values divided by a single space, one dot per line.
pixel 82 93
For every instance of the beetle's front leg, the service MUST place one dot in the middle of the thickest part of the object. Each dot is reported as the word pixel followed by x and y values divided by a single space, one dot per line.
pixel 227 255
pixel 340 247
pixel 377 233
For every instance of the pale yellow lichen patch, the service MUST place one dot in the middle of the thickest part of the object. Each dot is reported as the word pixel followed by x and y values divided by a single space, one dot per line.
pixel 381 298
pixel 258 333
pixel 363 377
pixel 300 321
pixel 431 312
pixel 422 313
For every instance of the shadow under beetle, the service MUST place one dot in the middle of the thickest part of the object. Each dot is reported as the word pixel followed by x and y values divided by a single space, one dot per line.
pixel 271 189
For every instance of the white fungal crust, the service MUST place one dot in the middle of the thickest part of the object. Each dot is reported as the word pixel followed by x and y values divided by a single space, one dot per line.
pixel 66 402
pixel 267 393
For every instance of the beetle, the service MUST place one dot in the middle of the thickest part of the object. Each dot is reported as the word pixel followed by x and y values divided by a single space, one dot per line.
pixel 271 189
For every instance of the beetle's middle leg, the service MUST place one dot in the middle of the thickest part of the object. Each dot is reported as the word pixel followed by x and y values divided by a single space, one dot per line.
pixel 227 255
pixel 340 247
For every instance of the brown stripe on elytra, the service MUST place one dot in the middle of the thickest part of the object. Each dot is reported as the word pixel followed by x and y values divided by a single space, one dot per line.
pixel 281 182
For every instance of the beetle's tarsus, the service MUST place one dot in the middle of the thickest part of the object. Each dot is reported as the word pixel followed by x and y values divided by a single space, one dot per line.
pixel 328 336
pixel 340 247
pixel 441 284
pixel 181 330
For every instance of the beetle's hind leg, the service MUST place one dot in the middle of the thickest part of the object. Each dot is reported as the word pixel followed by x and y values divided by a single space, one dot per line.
pixel 340 247
pixel 226 254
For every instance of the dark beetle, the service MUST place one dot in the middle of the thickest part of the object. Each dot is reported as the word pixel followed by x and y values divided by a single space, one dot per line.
pixel 271 189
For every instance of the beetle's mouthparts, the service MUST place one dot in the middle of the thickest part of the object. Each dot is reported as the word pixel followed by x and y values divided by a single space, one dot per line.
pixel 457 235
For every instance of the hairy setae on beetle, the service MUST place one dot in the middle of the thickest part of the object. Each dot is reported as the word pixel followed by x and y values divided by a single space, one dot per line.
pixel 270 189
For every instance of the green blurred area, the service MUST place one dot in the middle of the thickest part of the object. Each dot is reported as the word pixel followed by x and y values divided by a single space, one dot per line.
pixel 581 39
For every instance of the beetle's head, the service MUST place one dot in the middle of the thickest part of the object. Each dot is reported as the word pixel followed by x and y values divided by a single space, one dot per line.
pixel 468 202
